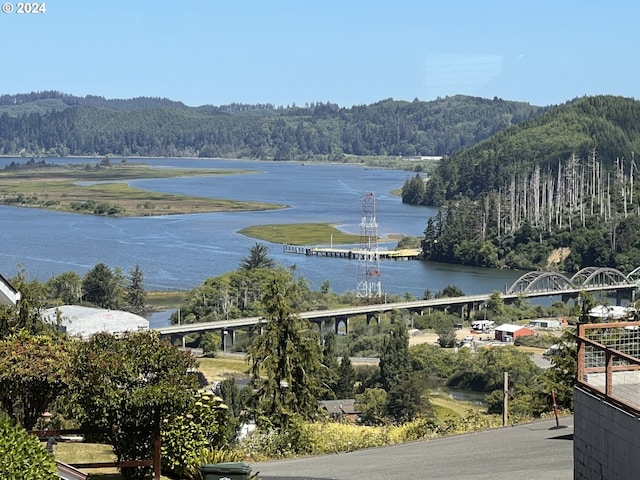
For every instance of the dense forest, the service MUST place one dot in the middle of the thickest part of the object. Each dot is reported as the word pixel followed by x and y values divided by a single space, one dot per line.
pixel 53 123
pixel 564 180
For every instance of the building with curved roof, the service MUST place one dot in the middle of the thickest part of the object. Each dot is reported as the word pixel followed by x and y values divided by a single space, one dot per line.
pixel 83 322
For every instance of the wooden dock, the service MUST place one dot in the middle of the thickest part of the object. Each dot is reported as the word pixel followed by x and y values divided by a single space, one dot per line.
pixel 352 254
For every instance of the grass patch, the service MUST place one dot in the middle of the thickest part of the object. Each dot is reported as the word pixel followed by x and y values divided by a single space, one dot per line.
pixel 531 350
pixel 164 300
pixel 74 452
pixel 410 164
pixel 445 406
pixel 301 234
pixel 219 368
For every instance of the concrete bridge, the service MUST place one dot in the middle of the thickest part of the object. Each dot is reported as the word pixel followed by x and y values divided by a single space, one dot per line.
pixel 530 285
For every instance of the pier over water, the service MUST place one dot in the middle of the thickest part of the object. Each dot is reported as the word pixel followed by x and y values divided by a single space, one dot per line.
pixel 354 253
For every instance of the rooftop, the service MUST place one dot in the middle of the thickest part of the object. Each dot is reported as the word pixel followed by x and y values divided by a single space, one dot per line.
pixel 83 322
pixel 8 294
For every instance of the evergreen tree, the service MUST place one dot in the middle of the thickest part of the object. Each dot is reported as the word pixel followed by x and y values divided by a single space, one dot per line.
pixel 404 400
pixel 285 359
pixel 346 378
pixel 135 290
pixel 228 390
pixel 413 190
pixel 330 373
pixel 100 286
pixel 562 376
pixel 258 258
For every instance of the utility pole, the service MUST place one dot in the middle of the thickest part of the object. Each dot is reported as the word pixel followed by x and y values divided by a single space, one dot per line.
pixel 505 400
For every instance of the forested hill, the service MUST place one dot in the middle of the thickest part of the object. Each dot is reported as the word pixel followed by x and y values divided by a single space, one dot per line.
pixel 558 191
pixel 53 123
pixel 603 128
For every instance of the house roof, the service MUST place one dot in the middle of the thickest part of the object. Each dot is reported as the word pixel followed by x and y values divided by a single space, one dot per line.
pixel 337 407
pixel 509 328
pixel 83 322
pixel 8 294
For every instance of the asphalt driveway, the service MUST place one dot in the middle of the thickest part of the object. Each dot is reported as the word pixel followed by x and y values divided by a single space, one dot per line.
pixel 534 451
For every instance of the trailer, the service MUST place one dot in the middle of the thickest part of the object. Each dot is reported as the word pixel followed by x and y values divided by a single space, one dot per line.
pixel 482 325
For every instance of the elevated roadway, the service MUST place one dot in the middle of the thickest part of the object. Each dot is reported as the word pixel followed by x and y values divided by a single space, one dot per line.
pixel 529 285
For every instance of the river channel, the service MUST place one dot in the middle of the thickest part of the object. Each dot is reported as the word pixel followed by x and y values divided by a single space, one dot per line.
pixel 178 252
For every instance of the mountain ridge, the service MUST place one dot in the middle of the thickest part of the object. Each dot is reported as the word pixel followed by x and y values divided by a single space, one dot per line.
pixel 55 123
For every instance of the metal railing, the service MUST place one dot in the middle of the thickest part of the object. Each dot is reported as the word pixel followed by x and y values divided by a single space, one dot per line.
pixel 609 361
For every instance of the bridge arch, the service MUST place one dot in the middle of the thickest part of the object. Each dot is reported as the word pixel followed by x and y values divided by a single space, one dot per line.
pixel 599 277
pixel 634 277
pixel 540 281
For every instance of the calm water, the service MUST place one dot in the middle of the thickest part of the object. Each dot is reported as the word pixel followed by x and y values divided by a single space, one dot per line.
pixel 181 251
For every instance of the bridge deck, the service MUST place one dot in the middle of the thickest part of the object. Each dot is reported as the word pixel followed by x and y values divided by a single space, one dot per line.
pixel 373 309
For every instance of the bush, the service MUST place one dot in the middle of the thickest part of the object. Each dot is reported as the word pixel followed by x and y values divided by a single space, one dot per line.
pixel 22 457
pixel 187 438
pixel 321 438
pixel 318 439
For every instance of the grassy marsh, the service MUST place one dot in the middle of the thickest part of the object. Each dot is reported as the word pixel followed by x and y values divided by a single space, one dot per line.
pixel 301 234
pixel 80 188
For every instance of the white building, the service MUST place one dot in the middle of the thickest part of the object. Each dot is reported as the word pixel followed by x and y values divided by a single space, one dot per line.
pixel 79 321
pixel 8 294
pixel 546 323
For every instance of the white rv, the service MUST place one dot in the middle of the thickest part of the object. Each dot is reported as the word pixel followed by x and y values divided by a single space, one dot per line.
pixel 482 325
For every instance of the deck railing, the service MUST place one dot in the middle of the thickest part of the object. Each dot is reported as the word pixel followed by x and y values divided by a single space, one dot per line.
pixel 609 361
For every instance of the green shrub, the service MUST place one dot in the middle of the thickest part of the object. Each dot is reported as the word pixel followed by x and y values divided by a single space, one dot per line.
pixel 418 429
pixel 185 437
pixel 22 457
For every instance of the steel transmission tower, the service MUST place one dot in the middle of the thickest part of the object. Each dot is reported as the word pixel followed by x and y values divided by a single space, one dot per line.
pixel 368 258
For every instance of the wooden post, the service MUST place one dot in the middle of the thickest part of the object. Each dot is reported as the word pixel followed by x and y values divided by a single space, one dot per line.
pixel 581 351
pixel 156 445
pixel 505 401
pixel 555 408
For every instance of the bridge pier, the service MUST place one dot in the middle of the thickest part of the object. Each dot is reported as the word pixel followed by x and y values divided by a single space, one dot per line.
pixel 178 337
pixel 625 295
pixel 324 325
pixel 344 321
pixel 227 338
pixel 373 316
pixel 568 296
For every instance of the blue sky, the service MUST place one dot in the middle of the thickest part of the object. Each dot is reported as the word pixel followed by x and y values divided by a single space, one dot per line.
pixel 345 52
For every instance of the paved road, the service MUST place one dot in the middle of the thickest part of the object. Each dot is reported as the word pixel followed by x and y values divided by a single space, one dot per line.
pixel 535 451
